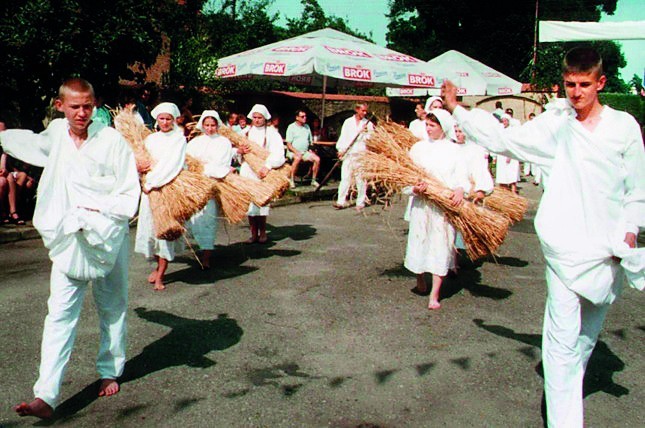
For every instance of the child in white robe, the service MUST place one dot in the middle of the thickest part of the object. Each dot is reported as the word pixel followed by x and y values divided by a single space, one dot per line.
pixel 507 172
pixel 593 173
pixel 431 238
pixel 215 152
pixel 167 148
pixel 269 138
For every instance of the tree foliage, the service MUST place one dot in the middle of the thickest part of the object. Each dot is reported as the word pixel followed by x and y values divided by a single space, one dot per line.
pixel 44 41
pixel 498 33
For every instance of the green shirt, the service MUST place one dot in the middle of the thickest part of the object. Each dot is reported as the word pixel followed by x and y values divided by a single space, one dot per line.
pixel 299 136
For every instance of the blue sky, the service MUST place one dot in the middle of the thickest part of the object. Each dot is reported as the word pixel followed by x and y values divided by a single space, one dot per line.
pixel 368 16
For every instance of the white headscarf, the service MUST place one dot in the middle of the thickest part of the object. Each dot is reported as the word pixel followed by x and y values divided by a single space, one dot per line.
pixel 446 121
pixel 505 116
pixel 430 101
pixel 169 108
pixel 259 108
pixel 204 115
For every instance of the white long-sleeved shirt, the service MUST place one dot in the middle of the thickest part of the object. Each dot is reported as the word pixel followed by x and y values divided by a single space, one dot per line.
pixel 215 152
pixel 349 131
pixel 269 138
pixel 594 189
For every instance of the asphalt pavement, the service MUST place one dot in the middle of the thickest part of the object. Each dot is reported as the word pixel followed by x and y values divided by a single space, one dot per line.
pixel 319 328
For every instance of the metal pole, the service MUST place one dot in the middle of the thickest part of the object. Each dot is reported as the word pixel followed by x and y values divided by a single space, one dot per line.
pixel 535 41
pixel 322 113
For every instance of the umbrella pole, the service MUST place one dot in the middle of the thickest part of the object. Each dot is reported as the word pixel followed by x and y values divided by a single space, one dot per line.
pixel 322 113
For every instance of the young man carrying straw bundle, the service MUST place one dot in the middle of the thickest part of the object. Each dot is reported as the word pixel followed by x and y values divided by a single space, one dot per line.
pixel 351 143
pixel 167 149
pixel 268 138
pixel 88 191
pixel 593 166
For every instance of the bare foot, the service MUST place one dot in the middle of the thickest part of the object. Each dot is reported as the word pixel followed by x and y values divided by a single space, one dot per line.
pixel 159 286
pixel 152 278
pixel 263 239
pixel 37 408
pixel 108 387
pixel 251 240
pixel 434 305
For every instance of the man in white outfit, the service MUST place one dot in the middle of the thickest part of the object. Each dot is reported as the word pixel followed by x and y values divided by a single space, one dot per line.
pixel 88 191
pixel 418 125
pixel 593 167
pixel 351 143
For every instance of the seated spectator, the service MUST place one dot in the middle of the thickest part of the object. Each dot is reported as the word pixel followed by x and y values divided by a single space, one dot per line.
pixel 299 139
pixel 18 185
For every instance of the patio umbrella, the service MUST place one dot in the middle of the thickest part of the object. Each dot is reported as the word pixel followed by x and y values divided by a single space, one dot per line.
pixel 469 75
pixel 329 58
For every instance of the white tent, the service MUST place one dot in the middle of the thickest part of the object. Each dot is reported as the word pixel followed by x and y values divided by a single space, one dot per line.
pixel 469 75
pixel 561 31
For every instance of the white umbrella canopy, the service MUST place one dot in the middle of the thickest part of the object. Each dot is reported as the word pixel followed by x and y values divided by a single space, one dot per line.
pixel 329 58
pixel 469 75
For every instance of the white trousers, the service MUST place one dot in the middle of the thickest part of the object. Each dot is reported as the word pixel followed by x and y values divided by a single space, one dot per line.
pixel 349 171
pixel 571 328
pixel 64 308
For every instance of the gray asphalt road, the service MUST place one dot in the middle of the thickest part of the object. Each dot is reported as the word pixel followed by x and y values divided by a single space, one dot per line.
pixel 319 329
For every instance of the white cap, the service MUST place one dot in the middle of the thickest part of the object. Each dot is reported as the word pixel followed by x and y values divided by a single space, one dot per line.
pixel 430 101
pixel 204 115
pixel 169 108
pixel 259 108
pixel 446 121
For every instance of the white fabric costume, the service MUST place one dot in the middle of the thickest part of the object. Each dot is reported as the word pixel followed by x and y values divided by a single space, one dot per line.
pixel 168 153
pixel 215 152
pixel 349 170
pixel 418 129
pixel 431 238
pixel 269 138
pixel 594 193
pixel 83 245
pixel 507 171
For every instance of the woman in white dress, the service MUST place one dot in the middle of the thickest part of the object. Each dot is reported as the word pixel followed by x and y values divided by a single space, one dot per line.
pixel 269 138
pixel 167 149
pixel 431 238
pixel 508 170
pixel 215 152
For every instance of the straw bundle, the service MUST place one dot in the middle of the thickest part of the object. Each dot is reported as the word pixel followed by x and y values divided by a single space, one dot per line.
pixel 508 203
pixel 178 200
pixel 403 136
pixel 232 197
pixel 483 230
pixel 277 178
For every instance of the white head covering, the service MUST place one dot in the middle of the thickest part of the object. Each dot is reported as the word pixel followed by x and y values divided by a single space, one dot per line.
pixel 169 108
pixel 505 116
pixel 205 114
pixel 446 121
pixel 259 108
pixel 430 101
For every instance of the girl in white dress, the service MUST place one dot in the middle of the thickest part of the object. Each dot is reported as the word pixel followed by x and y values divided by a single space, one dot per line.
pixel 431 238
pixel 508 169
pixel 167 149
pixel 215 152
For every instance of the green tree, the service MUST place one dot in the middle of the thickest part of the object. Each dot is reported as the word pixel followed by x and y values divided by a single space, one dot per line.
pixel 497 32
pixel 44 41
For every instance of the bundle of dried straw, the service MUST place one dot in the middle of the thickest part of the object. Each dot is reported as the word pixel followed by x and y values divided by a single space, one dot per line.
pixel 230 192
pixel 277 179
pixel 508 203
pixel 175 202
pixel 388 163
pixel 403 136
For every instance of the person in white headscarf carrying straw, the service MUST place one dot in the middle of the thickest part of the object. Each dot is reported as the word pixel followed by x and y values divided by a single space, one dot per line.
pixel 431 238
pixel 593 165
pixel 216 153
pixel 268 138
pixel 88 191
pixel 167 149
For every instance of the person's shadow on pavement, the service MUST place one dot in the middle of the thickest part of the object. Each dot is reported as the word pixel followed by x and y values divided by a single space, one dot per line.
pixel 185 345
pixel 603 363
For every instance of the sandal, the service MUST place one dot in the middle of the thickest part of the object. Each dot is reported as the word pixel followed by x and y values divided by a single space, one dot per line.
pixel 15 219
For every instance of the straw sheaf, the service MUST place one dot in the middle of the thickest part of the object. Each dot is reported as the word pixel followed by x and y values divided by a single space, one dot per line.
pixel 178 200
pixel 508 203
pixel 277 178
pixel 230 192
pixel 388 163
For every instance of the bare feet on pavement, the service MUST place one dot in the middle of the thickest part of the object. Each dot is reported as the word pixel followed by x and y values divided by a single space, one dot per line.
pixel 37 408
pixel 152 278
pixel 108 387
